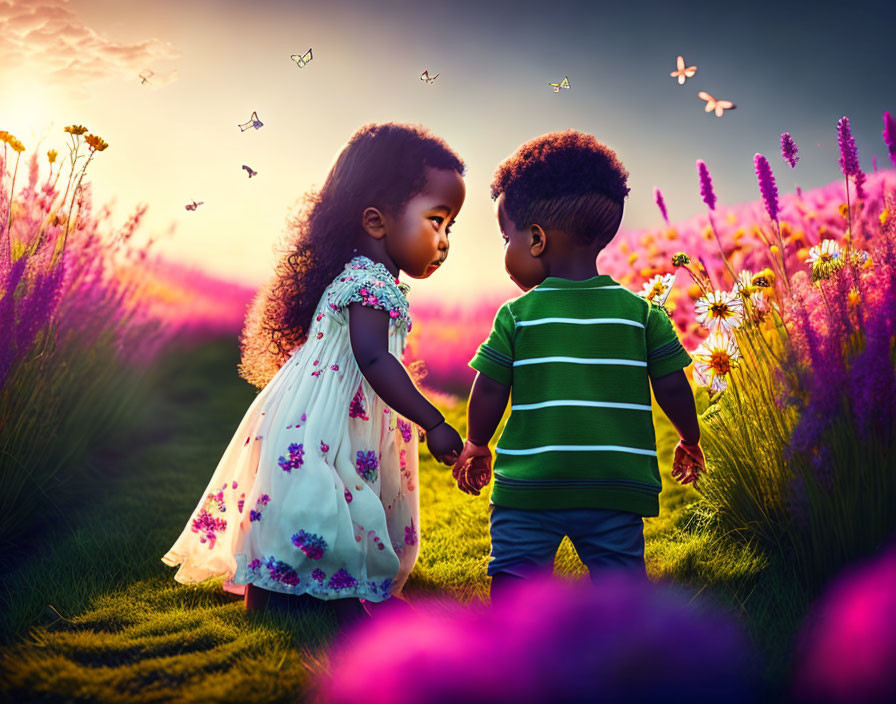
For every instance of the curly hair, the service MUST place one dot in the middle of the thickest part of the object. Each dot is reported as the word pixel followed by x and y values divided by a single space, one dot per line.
pixel 567 181
pixel 381 166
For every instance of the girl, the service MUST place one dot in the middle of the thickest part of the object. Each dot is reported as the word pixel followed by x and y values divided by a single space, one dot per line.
pixel 316 492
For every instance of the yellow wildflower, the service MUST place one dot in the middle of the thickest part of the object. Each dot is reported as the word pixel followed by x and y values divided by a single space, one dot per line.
pixel 76 129
pixel 853 297
pixel 96 143
pixel 51 155
pixel 671 234
pixel 731 217
pixel 4 136
pixel 884 214
pixel 802 254
pixel 786 229
pixel 632 257
pixel 775 249
pixel 707 233
pixel 16 145
pixel 844 211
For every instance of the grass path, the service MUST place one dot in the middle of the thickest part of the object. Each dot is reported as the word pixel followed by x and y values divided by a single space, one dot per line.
pixel 122 630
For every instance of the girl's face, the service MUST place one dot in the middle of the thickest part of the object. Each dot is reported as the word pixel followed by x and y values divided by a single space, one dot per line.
pixel 522 250
pixel 417 240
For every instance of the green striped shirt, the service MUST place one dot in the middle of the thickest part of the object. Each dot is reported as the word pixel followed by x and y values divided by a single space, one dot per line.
pixel 578 356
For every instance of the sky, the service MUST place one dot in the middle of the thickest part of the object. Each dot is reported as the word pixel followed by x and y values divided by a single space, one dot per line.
pixel 794 67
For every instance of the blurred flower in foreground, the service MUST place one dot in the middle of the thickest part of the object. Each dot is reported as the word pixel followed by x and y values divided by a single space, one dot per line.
pixel 720 310
pixel 789 152
pixel 847 648
pixel 623 639
pixel 714 359
pixel 658 288
pixel 661 204
pixel 825 260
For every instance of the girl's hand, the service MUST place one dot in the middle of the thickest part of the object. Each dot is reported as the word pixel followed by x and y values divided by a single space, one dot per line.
pixel 444 443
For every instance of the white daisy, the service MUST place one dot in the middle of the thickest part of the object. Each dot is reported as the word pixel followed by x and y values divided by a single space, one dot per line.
pixel 658 288
pixel 714 359
pixel 720 310
pixel 825 259
pixel 744 281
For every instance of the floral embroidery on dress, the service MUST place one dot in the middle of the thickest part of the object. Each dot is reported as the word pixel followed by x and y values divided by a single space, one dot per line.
pixel 405 429
pixel 311 544
pixel 296 452
pixel 241 502
pixel 371 284
pixel 208 524
pixel 357 408
pixel 281 572
pixel 255 514
pixel 410 534
pixel 342 580
pixel 348 496
pixel 366 465
pixel 318 575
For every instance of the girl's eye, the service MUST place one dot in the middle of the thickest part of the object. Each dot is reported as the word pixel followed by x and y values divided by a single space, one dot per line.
pixel 440 221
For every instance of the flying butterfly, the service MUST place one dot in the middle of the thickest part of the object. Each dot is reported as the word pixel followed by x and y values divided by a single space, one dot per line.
pixel 302 59
pixel 193 205
pixel 683 71
pixel 426 77
pixel 253 122
pixel 562 84
pixel 718 105
pixel 251 172
pixel 151 73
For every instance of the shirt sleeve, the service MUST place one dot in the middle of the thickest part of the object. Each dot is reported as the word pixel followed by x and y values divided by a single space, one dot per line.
pixel 665 353
pixel 494 358
pixel 363 286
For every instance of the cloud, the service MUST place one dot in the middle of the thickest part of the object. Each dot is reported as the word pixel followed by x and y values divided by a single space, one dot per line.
pixel 57 48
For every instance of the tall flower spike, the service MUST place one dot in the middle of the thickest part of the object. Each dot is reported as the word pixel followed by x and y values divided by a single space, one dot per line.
pixel 767 185
pixel 860 181
pixel 788 149
pixel 706 185
pixel 661 204
pixel 889 134
pixel 849 158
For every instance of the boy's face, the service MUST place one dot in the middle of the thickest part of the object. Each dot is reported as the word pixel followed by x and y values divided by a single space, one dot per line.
pixel 417 239
pixel 522 250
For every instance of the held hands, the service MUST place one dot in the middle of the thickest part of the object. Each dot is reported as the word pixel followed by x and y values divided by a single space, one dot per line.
pixel 444 443
pixel 473 469
pixel 688 463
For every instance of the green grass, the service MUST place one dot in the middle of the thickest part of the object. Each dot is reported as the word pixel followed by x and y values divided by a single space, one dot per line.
pixel 92 614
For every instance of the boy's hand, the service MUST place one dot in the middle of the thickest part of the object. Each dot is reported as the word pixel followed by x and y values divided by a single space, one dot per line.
pixel 688 463
pixel 473 469
pixel 444 443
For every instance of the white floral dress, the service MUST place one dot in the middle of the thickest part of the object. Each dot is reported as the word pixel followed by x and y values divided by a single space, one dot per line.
pixel 317 491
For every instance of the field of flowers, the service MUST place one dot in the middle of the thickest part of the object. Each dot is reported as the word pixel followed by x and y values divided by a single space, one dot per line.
pixel 787 305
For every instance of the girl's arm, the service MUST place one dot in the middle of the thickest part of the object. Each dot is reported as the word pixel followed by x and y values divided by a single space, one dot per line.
pixel 369 333
pixel 488 399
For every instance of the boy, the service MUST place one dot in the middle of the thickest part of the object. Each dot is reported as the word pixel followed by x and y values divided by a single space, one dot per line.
pixel 578 454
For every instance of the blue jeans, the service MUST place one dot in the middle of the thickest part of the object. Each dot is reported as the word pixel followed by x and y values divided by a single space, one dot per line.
pixel 525 541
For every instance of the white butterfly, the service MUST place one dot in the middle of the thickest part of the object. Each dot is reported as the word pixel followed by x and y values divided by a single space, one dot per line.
pixel 251 172
pixel 683 72
pixel 426 77
pixel 562 84
pixel 302 59
pixel 718 105
pixel 193 205
pixel 253 122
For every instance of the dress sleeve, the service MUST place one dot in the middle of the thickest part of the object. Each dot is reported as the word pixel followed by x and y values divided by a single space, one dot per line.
pixel 665 353
pixel 369 288
pixel 494 358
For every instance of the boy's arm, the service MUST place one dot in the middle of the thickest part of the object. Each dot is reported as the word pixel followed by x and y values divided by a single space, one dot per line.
pixel 673 394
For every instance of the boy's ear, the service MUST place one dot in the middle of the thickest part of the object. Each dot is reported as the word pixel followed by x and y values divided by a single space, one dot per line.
pixel 537 241
pixel 374 223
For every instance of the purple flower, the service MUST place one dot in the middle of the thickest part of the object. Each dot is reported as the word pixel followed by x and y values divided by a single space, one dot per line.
pixel 889 134
pixel 313 545
pixel 405 428
pixel 859 180
pixel 767 185
pixel 788 149
pixel 208 525
pixel 296 452
pixel 849 158
pixel 706 185
pixel 356 408
pixel 318 575
pixel 342 580
pixel 366 465
pixel 255 564
pixel 281 572
pixel 661 204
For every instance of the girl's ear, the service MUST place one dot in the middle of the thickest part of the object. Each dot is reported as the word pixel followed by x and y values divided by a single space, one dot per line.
pixel 537 241
pixel 374 223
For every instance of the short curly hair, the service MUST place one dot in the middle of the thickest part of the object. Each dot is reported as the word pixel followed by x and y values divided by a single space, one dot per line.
pixel 567 181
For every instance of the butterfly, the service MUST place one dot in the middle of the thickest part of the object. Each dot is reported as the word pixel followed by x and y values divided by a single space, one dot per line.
pixel 145 77
pixel 251 172
pixel 253 122
pixel 302 59
pixel 426 77
pixel 718 105
pixel 562 84
pixel 193 205
pixel 683 72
